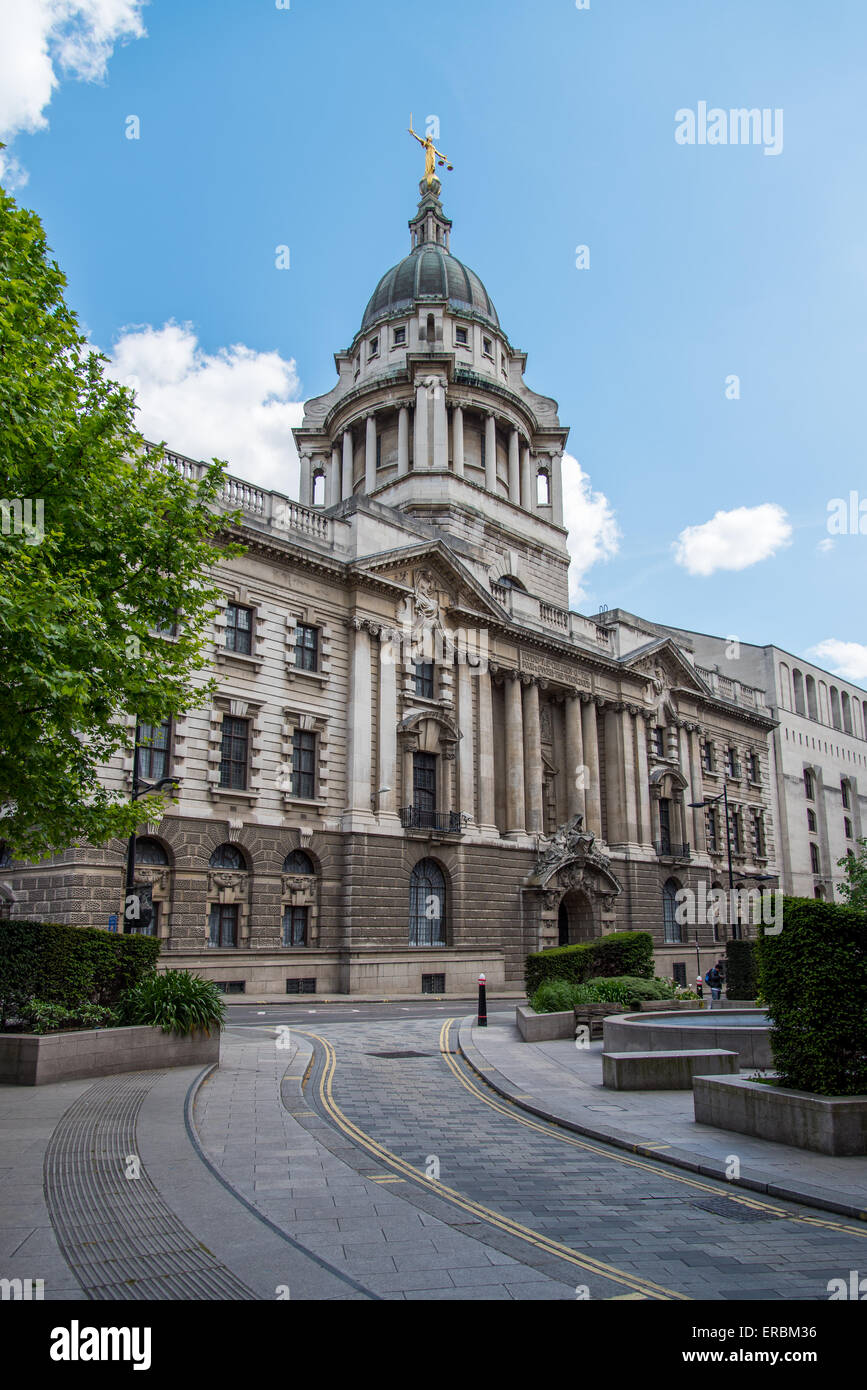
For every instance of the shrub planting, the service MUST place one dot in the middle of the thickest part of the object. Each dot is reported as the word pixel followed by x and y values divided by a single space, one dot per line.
pixel 68 966
pixel 742 969
pixel 813 976
pixel 176 1001
pixel 621 953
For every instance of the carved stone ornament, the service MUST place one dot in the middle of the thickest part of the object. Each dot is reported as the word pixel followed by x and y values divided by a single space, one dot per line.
pixel 572 860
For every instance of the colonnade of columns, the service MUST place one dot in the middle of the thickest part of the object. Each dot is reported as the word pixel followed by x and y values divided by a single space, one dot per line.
pixel 630 817
pixel 430 452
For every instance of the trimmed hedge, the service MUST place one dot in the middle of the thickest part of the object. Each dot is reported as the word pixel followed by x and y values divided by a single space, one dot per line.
pixel 742 970
pixel 814 979
pixel 621 953
pixel 68 966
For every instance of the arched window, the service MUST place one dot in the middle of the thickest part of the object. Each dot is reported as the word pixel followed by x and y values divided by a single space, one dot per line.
pixel 227 857
pixel 809 786
pixel 785 686
pixel 798 680
pixel 847 713
pixel 672 928
pixel 318 498
pixel 812 707
pixel 148 851
pixel 297 862
pixel 508 581
pixel 427 905
pixel 543 488
pixel 835 708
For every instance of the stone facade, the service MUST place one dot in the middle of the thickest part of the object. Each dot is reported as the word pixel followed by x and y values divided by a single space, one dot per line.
pixel 420 764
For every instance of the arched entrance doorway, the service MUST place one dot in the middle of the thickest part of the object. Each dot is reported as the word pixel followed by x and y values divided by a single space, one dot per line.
pixel 575 919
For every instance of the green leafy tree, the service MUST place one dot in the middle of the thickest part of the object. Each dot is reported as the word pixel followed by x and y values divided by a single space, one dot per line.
pixel 103 548
pixel 854 890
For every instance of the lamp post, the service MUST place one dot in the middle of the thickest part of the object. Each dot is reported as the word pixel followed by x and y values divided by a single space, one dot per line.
pixel 722 796
pixel 139 788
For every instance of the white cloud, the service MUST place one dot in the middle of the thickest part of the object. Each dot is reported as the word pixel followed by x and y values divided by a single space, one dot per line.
pixel 846 659
pixel 733 540
pixel 593 530
pixel 45 41
pixel 825 545
pixel 237 404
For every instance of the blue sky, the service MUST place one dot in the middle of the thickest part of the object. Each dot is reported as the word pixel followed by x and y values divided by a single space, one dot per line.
pixel 262 126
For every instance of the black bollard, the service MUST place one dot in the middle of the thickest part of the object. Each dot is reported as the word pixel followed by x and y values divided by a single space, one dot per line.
pixel 482 1019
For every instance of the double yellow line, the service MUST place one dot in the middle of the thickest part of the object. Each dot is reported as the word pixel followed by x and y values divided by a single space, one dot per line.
pixel 642 1288
pixel 505 1109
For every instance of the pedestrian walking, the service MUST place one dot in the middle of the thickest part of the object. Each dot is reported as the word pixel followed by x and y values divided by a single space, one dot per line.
pixel 713 978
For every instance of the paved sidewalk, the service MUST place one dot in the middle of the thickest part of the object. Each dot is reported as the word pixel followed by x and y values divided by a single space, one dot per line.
pixel 560 1082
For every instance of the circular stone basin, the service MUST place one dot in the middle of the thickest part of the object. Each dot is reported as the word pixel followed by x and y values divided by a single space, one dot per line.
pixel 746 1032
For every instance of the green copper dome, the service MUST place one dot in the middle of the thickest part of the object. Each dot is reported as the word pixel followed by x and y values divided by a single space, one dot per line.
pixel 430 272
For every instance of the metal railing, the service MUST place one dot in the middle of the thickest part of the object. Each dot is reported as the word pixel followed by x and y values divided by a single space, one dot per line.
pixel 667 849
pixel 416 818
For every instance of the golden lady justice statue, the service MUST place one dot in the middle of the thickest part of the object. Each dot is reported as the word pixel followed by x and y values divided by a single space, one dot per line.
pixel 431 154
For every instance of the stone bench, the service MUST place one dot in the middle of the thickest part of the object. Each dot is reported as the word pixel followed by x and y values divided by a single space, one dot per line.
pixel 664 1071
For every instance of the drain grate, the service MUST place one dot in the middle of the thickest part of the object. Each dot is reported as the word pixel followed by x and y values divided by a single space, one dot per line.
pixel 399 1054
pixel 735 1211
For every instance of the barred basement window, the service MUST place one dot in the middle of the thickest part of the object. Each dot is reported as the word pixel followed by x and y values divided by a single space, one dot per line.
pixel 231 986
pixel 307 986
pixel 239 629
pixel 433 984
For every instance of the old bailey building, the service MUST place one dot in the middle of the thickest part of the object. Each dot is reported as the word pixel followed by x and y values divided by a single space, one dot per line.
pixel 420 764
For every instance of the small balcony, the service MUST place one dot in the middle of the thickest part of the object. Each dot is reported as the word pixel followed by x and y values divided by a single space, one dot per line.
pixel 667 849
pixel 442 822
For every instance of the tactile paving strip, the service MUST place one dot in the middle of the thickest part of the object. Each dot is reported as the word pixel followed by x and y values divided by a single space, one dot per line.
pixel 116 1232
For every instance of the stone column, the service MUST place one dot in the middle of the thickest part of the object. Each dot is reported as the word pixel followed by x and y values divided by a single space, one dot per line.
pixel 304 481
pixel 514 469
pixel 347 464
pixel 576 775
pixel 487 815
pixel 514 757
pixel 593 788
pixel 370 453
pixel 627 719
pixel 420 454
pixel 615 797
pixel 466 768
pixel 402 441
pixel 528 501
pixel 389 651
pixel 557 489
pixel 535 821
pixel 440 428
pixel 490 452
pixel 334 477
pixel 642 782
pixel 696 784
pixel 406 793
pixel 458 440
pixel 447 762
pixel 358 745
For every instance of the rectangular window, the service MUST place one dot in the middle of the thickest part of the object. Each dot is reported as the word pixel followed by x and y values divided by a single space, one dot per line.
pixel 223 925
pixel 424 679
pixel 659 741
pixel 433 984
pixel 732 765
pixel 707 756
pixel 737 840
pixel 239 629
pixel 295 926
pixel 487 347
pixel 712 836
pixel 306 647
pixel 231 986
pixel 424 781
pixel 814 859
pixel 844 792
pixel 665 827
pixel 374 347
pixel 152 741
pixel 301 986
pixel 847 827
pixel 678 973
pixel 811 819
pixel 304 764
pixel 461 335
pixel 808 783
pixel 233 754
pixel 399 337
pixel 759 834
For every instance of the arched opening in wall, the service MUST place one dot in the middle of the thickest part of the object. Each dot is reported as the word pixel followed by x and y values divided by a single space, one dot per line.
pixel 299 898
pixel 812 706
pixel 785 686
pixel 431 328
pixel 508 581
pixel 543 488
pixel 150 852
pixel 427 904
pixel 318 497
pixel 798 681
pixel 835 708
pixel 228 856
pixel 575 919
pixel 847 713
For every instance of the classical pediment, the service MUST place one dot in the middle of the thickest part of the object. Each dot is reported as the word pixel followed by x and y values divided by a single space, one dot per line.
pixel 664 667
pixel 432 570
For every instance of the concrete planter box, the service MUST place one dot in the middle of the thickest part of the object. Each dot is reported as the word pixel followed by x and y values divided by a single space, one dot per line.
pixel 28 1059
pixel 593 1016
pixel 535 1027
pixel 664 1071
pixel 826 1124
pixel 640 1033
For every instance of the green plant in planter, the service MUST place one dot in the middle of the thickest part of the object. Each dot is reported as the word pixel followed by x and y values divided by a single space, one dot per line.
pixel 175 1001
pixel 554 996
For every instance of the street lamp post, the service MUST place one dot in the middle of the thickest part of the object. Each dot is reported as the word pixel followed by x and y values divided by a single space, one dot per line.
pixel 722 796
pixel 139 788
